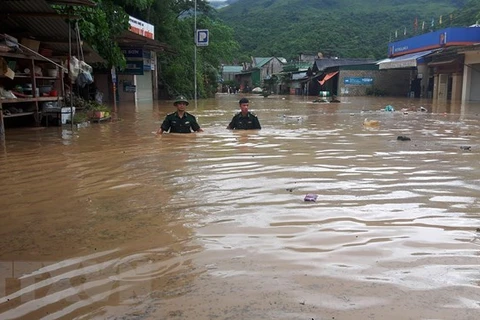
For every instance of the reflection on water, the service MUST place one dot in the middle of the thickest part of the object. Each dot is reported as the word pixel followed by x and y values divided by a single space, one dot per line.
pixel 113 222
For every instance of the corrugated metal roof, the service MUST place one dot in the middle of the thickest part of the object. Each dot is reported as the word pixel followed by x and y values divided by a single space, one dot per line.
pixel 322 64
pixel 259 62
pixel 37 20
pixel 130 39
pixel 299 75
pixel 232 69
pixel 42 27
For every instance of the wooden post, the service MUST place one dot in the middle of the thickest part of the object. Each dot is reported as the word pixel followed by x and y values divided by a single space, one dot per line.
pixel 113 77
pixel 2 127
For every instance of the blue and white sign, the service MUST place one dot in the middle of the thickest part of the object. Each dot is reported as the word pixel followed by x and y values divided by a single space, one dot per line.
pixel 201 37
pixel 132 52
pixel 358 81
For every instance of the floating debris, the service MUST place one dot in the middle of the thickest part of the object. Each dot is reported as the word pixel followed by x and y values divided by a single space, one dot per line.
pixel 371 123
pixel 298 118
pixel 389 108
pixel 311 197
pixel 466 148
pixel 403 138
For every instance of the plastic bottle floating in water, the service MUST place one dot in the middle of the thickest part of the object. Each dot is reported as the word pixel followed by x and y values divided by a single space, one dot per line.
pixel 389 108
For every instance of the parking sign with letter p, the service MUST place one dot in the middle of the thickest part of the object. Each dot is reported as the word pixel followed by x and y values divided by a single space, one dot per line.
pixel 201 37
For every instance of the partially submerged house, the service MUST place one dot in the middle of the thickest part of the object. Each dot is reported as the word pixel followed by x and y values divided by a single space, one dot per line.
pixel 229 72
pixel 345 76
pixel 442 64
pixel 294 76
pixel 259 72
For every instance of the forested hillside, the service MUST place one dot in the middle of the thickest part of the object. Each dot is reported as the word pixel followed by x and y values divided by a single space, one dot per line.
pixel 346 28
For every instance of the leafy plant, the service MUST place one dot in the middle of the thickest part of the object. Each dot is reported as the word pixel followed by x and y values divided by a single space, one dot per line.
pixel 80 117
pixel 88 105
pixel 100 25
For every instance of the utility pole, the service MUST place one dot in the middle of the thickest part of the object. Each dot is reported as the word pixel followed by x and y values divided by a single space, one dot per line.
pixel 195 54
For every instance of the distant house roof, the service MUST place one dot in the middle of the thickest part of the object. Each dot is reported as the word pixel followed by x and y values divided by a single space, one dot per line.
pixel 232 69
pixel 322 64
pixel 299 75
pixel 259 62
pixel 296 66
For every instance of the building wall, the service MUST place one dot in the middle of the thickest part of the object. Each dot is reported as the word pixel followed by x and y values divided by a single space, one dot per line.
pixel 256 78
pixel 309 57
pixel 390 82
pixel 244 80
pixel 471 76
pixel 228 76
pixel 475 83
pixel 102 81
pixel 124 96
pixel 272 67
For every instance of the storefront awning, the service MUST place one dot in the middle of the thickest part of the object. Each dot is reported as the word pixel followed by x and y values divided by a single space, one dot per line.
pixel 439 63
pixel 130 39
pixel 406 61
pixel 327 77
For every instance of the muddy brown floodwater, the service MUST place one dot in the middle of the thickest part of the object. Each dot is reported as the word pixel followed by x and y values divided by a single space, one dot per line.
pixel 112 222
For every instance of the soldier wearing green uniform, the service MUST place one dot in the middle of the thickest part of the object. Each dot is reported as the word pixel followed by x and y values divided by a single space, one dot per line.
pixel 180 121
pixel 244 120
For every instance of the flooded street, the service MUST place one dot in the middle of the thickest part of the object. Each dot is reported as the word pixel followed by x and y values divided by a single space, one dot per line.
pixel 113 222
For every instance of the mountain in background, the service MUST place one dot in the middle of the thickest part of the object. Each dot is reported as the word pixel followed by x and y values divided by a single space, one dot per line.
pixel 343 28
pixel 217 4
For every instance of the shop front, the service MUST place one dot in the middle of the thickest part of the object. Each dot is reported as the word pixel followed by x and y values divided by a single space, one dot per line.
pixel 438 63
pixel 138 81
pixel 471 75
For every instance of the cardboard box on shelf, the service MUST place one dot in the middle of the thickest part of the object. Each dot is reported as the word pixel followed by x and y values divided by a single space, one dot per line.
pixel 30 43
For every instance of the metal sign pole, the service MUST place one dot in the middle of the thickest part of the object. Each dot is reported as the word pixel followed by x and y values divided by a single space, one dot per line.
pixel 195 54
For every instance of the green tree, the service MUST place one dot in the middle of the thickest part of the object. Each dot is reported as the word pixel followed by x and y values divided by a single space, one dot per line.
pixel 174 25
pixel 100 26
pixel 176 71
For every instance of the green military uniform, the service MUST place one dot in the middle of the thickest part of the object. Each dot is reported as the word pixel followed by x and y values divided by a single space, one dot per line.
pixel 239 122
pixel 176 124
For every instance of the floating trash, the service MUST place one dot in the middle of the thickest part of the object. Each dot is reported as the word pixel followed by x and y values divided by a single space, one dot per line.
pixel 389 108
pixel 403 138
pixel 466 148
pixel 297 118
pixel 371 123
pixel 311 197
